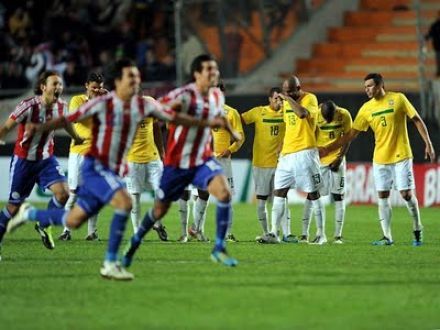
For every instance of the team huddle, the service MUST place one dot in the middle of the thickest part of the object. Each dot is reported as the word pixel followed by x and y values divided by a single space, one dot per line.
pixel 117 153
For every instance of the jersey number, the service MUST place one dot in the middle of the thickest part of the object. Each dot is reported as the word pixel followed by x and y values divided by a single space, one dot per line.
pixel 274 130
pixel 142 124
pixel 383 121
pixel 331 135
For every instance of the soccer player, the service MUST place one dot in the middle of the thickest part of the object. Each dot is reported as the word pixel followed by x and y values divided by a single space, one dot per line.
pixel 333 122
pixel 94 87
pixel 145 169
pixel 224 146
pixel 33 161
pixel 115 116
pixel 188 157
pixel 385 113
pixel 268 140
pixel 298 165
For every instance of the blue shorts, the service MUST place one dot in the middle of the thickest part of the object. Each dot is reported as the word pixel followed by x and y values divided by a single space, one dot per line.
pixel 174 180
pixel 97 187
pixel 24 174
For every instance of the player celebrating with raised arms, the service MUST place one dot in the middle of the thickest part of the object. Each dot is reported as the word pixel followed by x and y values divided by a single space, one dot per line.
pixel 385 113
pixel 188 157
pixel 33 161
pixel 115 117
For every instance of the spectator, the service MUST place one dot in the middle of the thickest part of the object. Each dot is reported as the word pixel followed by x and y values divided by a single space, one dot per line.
pixel 434 35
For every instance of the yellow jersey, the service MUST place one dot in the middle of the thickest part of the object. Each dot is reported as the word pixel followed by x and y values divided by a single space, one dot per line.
pixel 144 149
pixel 387 119
pixel 326 133
pixel 300 133
pixel 83 128
pixel 269 135
pixel 222 138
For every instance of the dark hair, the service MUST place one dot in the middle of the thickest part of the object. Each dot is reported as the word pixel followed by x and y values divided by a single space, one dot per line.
pixel 274 90
pixel 328 109
pixel 377 78
pixel 42 79
pixel 95 77
pixel 196 65
pixel 115 71
pixel 221 85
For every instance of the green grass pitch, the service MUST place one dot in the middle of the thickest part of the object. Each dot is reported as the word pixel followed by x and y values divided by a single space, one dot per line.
pixel 285 286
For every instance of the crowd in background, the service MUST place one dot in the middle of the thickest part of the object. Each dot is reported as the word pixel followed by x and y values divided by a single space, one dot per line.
pixel 77 36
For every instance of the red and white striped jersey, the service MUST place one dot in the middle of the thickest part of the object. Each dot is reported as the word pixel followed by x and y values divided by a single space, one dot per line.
pixel 32 110
pixel 188 147
pixel 114 126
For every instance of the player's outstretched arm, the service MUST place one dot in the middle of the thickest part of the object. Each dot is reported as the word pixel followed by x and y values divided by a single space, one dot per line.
pixel 6 128
pixel 54 124
pixel 423 131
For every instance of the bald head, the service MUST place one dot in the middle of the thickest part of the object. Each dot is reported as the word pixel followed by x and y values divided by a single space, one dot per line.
pixel 292 87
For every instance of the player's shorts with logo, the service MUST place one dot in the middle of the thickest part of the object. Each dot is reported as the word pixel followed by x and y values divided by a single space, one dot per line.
pixel 263 180
pixel 144 176
pixel 24 174
pixel 74 170
pixel 227 169
pixel 333 182
pixel 300 170
pixel 399 176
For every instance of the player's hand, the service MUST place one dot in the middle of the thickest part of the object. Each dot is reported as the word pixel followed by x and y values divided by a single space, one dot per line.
pixel 235 136
pixel 225 154
pixel 103 91
pixel 430 153
pixel 334 166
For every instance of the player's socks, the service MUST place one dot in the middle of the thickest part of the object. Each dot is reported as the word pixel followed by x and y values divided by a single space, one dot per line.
pixel 199 213
pixel 262 215
pixel 46 218
pixel 5 216
pixel 319 210
pixel 413 208
pixel 229 230
pixel 285 221
pixel 278 210
pixel 339 217
pixel 117 229
pixel 146 225
pixel 307 214
pixel 70 201
pixel 385 213
pixel 223 217
pixel 91 224
pixel 184 216
pixel 135 211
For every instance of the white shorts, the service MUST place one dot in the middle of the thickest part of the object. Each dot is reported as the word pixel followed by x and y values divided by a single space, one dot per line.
pixel 333 182
pixel 227 169
pixel 398 176
pixel 144 176
pixel 73 170
pixel 299 170
pixel 263 180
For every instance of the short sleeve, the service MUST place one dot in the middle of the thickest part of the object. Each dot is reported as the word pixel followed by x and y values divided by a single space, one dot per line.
pixel 249 116
pixel 20 112
pixel 407 107
pixel 360 122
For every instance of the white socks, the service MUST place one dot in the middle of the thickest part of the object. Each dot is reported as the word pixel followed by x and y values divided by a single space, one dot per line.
pixel 135 211
pixel 339 217
pixel 278 212
pixel 262 214
pixel 307 214
pixel 200 214
pixel 319 209
pixel 69 205
pixel 184 216
pixel 413 208
pixel 385 214
pixel 91 224
pixel 285 222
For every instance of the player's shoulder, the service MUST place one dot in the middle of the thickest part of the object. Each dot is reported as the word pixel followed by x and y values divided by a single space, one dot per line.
pixel 30 101
pixel 308 96
pixel 344 112
pixel 231 110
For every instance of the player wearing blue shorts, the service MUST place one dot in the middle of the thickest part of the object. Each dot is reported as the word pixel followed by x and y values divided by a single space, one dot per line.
pixel 33 161
pixel 188 157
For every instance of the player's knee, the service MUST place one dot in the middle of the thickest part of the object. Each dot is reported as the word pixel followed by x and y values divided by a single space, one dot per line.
pixel 406 194
pixel 338 197
pixel 62 197
pixel 313 195
pixel 224 195
pixel 13 208
pixel 203 194
pixel 262 197
pixel 280 192
pixel 383 194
